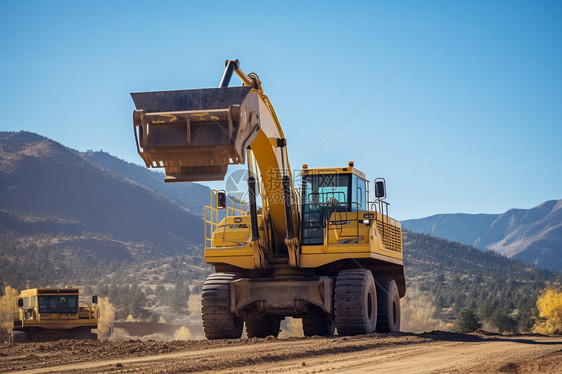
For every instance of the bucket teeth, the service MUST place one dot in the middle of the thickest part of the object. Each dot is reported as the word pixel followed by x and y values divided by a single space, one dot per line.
pixel 195 134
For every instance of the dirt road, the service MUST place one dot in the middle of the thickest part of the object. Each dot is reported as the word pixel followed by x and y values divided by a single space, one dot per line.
pixel 435 352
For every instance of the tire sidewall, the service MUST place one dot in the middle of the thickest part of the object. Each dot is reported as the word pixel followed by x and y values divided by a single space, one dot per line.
pixel 369 288
pixel 393 307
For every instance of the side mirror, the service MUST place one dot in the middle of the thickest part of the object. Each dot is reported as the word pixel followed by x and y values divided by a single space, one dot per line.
pixel 221 200
pixel 20 303
pixel 380 188
pixel 95 299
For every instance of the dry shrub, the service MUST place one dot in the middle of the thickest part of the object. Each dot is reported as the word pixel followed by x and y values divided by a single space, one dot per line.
pixel 194 305
pixel 418 313
pixel 549 305
pixel 130 318
pixel 182 333
pixel 7 308
pixel 106 318
pixel 291 327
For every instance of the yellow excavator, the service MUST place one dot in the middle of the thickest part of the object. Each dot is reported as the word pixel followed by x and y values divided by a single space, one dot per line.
pixel 322 252
pixel 44 314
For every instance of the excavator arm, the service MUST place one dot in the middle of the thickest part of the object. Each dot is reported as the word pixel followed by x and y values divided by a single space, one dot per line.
pixel 196 134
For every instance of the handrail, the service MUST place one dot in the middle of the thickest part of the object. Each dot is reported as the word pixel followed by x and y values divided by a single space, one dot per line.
pixel 211 216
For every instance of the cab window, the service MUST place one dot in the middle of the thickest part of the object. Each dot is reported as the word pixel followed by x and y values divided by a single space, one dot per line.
pixel 48 304
pixel 326 188
pixel 69 304
pixel 358 187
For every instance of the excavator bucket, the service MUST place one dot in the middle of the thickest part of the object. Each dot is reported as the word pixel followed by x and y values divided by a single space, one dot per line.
pixel 195 134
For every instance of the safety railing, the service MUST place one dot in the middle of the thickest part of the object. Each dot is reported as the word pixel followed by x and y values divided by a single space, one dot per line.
pixel 238 208
pixel 346 218
pixel 212 215
pixel 381 207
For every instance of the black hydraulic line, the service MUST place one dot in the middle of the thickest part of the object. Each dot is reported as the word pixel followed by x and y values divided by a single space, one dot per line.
pixel 230 66
pixel 253 208
pixel 288 208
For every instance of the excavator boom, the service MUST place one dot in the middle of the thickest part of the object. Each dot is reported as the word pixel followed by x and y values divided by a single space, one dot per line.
pixel 196 134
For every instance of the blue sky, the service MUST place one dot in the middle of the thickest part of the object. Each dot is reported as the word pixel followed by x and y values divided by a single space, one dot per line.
pixel 472 123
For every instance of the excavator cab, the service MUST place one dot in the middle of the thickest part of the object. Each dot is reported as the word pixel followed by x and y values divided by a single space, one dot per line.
pixel 325 191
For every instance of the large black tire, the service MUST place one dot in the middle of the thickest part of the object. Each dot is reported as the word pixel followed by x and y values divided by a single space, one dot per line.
pixel 317 324
pixel 388 301
pixel 218 321
pixel 261 328
pixel 355 302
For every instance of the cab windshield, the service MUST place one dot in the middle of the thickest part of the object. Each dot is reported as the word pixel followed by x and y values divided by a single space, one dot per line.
pixel 67 304
pixel 345 190
pixel 324 194
pixel 326 188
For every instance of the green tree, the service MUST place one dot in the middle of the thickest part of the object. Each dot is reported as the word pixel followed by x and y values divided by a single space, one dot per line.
pixel 466 321
pixel 501 319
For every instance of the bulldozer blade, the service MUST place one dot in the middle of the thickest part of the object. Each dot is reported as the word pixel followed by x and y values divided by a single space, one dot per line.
pixel 195 134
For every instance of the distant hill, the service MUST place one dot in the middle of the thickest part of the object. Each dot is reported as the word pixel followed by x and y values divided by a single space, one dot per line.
pixel 55 201
pixel 530 235
pixel 454 275
pixel 192 196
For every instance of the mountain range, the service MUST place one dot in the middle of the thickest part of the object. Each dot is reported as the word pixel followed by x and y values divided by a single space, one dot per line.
pixel 532 235
pixel 88 209
pixel 69 216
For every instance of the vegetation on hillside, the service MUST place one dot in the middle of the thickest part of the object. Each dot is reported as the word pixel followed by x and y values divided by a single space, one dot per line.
pixel 7 308
pixel 453 276
pixel 466 321
pixel 549 305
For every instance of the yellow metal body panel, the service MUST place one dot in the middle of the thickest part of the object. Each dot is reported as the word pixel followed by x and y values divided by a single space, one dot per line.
pixel 350 235
pixel 241 256
pixel 336 170
pixel 29 315
pixel 234 230
pixel 314 260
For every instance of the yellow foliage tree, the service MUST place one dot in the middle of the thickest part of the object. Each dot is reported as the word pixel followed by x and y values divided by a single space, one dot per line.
pixel 194 304
pixel 418 313
pixel 182 333
pixel 7 308
pixel 549 305
pixel 107 316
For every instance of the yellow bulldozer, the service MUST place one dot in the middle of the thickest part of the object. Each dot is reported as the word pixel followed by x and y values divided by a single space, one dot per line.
pixel 322 251
pixel 45 314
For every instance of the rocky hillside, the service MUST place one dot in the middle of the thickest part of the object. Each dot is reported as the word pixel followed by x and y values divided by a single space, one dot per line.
pixel 64 213
pixel 192 196
pixel 530 235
